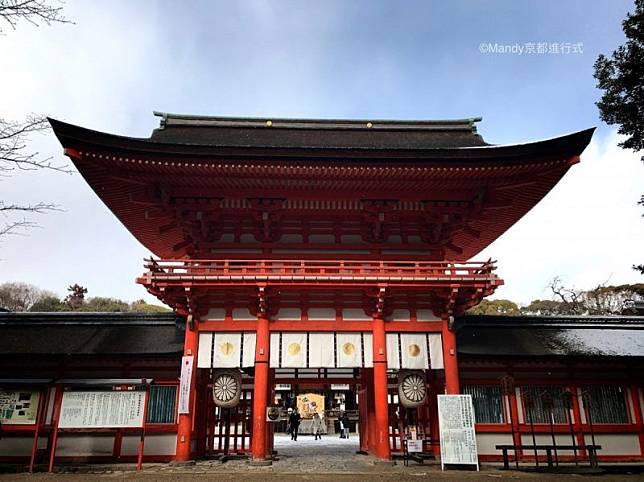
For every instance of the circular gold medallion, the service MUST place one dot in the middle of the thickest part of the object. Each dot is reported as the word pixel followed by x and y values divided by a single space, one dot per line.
pixel 414 350
pixel 293 349
pixel 226 348
pixel 348 348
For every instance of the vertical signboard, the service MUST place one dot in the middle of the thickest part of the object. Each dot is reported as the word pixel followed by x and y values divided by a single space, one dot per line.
pixel 458 438
pixel 184 385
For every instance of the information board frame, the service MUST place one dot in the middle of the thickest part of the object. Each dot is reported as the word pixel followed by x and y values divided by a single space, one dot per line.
pixel 61 390
pixel 456 421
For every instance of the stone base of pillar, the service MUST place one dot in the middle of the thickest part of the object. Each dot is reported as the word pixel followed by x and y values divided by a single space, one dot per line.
pixel 260 463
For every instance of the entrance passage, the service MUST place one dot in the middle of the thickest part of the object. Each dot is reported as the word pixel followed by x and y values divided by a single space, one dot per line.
pixel 342 398
pixel 308 447
pixel 321 405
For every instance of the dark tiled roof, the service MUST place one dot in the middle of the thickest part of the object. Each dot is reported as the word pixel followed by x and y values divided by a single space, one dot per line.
pixel 247 140
pixel 535 336
pixel 91 334
pixel 316 133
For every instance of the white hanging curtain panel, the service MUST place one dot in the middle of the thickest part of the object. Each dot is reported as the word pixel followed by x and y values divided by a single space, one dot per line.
pixel 294 348
pixel 349 350
pixel 226 350
pixel 414 351
pixel 321 350
pixel 417 351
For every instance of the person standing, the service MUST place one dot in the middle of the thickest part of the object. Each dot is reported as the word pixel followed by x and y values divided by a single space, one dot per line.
pixel 316 426
pixel 294 423
pixel 345 425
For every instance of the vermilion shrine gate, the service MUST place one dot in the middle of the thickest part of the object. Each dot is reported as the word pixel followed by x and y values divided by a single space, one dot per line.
pixel 303 251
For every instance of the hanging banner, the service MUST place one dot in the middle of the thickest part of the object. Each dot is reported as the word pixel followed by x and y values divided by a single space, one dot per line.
pixel 18 407
pixel 349 350
pixel 457 434
pixel 184 384
pixel 102 409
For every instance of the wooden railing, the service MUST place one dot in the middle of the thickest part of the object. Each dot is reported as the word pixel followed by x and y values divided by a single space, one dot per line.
pixel 447 269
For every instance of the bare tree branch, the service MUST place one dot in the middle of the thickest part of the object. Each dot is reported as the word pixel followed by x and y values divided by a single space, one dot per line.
pixel 32 11
pixel 13 145
pixel 19 226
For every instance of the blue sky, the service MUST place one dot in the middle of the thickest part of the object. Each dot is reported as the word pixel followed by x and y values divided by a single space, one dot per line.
pixel 362 59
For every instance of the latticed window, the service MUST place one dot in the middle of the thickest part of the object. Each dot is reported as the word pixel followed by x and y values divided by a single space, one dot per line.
pixel 488 405
pixel 162 404
pixel 543 401
pixel 607 403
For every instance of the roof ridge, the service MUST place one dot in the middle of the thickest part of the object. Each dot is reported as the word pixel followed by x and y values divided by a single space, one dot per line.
pixel 168 119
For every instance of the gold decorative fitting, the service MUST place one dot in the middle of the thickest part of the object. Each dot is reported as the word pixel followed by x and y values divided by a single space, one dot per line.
pixel 414 350
pixel 293 349
pixel 369 125
pixel 269 123
pixel 348 349
pixel 227 348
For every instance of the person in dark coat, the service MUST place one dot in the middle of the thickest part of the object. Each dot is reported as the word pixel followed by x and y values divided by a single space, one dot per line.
pixel 345 424
pixel 294 423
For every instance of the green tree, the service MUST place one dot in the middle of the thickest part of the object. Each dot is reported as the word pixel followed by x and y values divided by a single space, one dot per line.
pixel 76 297
pixel 495 307
pixel 49 304
pixel 140 306
pixel 103 304
pixel 543 308
pixel 621 77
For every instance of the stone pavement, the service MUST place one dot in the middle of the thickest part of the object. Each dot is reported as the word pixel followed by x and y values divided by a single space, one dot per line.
pixel 329 459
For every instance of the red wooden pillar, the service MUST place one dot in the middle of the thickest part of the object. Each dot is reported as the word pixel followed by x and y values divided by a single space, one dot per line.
pixel 433 414
pixel 363 423
pixel 186 420
pixel 381 432
pixel 270 438
pixel 578 426
pixel 450 360
pixel 514 420
pixel 371 412
pixel 260 390
pixel 637 409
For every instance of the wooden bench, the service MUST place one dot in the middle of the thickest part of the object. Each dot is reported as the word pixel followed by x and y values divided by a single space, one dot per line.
pixel 592 451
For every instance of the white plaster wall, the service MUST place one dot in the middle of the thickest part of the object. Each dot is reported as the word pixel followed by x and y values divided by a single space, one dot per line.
pixel 322 238
pixel 616 444
pixel 84 445
pixel 242 314
pixel 355 314
pixel 289 314
pixel 15 446
pixel 546 439
pixel 157 444
pixel 486 442
pixel 399 315
pixel 321 314
pixel 426 315
pixel 216 314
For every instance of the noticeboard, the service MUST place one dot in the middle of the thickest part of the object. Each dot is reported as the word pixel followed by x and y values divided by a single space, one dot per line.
pixel 18 407
pixel 102 409
pixel 457 434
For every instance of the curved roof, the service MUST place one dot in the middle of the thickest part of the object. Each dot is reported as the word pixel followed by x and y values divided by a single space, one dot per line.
pixel 439 176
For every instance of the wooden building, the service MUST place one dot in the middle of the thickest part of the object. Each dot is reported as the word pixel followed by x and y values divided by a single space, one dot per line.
pixel 311 252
